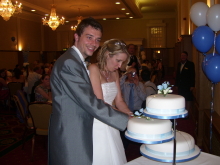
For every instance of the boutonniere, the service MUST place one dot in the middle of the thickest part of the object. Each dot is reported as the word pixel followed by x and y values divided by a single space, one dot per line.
pixel 185 68
pixel 165 88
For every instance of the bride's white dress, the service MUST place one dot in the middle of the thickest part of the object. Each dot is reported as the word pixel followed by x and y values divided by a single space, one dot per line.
pixel 107 144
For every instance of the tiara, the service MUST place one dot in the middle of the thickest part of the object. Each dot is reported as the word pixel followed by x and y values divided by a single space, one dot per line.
pixel 120 43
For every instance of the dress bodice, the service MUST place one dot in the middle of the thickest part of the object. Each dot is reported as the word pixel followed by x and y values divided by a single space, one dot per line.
pixel 109 92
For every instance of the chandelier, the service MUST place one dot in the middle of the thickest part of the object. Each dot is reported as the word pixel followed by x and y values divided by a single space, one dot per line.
pixel 79 19
pixel 54 20
pixel 7 9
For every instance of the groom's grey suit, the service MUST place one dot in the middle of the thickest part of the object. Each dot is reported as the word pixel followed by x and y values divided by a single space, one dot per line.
pixel 74 107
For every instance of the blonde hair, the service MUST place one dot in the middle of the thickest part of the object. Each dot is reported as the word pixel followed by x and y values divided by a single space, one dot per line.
pixel 111 47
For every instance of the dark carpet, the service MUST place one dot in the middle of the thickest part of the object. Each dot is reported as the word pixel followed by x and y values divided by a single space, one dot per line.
pixel 12 153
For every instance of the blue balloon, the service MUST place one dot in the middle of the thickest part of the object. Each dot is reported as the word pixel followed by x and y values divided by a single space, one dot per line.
pixel 212 69
pixel 217 43
pixel 203 38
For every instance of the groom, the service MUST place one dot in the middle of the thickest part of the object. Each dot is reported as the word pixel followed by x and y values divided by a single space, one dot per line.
pixel 74 102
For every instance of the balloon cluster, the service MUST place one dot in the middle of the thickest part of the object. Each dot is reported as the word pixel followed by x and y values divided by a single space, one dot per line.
pixel 204 37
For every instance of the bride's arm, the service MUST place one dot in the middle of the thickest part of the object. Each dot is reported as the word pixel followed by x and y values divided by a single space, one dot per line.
pixel 119 101
pixel 94 75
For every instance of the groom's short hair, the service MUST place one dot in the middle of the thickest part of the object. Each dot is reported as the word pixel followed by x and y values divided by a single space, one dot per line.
pixel 88 22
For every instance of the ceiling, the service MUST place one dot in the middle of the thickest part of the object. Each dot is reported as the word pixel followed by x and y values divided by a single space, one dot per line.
pixel 99 9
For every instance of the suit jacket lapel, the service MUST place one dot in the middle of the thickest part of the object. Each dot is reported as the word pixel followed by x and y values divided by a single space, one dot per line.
pixel 81 65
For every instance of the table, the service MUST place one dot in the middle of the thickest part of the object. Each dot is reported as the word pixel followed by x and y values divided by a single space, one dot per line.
pixel 202 159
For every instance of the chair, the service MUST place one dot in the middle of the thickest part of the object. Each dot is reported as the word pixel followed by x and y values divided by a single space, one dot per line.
pixel 4 97
pixel 13 88
pixel 23 116
pixel 40 114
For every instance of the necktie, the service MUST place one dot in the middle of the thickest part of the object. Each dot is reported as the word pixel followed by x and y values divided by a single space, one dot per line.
pixel 84 63
pixel 181 67
pixel 131 98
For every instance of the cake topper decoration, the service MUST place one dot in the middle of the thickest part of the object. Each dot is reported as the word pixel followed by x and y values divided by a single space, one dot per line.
pixel 139 114
pixel 165 88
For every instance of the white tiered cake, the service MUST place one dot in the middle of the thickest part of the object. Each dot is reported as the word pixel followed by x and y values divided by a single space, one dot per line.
pixel 162 106
pixel 185 149
pixel 149 130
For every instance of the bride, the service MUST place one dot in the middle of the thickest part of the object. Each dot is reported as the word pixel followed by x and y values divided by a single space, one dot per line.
pixel 107 145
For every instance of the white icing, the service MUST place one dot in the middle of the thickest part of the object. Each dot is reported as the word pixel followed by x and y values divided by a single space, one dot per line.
pixel 150 129
pixel 169 104
pixel 185 145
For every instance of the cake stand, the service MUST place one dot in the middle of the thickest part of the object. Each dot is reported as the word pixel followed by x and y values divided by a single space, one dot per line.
pixel 169 116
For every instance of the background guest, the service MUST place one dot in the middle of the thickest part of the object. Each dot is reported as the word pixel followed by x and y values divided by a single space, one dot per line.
pixel 150 87
pixel 4 92
pixel 43 91
pixel 9 75
pixel 133 93
pixel 159 71
pixel 134 61
pixel 18 76
pixel 146 65
pixel 185 79
pixel 132 90
pixel 33 77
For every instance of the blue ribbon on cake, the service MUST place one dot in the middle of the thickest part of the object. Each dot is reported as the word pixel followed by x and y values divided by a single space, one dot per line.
pixel 149 136
pixel 168 154
pixel 166 111
pixel 166 116
pixel 169 160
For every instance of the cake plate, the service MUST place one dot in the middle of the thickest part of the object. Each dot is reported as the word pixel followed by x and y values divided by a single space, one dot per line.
pixel 149 141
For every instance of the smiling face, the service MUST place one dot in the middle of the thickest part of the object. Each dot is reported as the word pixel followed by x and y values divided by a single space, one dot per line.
pixel 88 42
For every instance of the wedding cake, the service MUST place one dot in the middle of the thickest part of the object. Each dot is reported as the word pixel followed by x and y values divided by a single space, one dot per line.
pixel 149 129
pixel 156 132
pixel 185 149
pixel 170 104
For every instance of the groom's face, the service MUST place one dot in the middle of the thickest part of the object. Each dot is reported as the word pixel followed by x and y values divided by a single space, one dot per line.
pixel 89 41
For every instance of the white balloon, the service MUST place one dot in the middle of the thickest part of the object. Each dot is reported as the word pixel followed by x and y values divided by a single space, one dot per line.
pixel 213 17
pixel 198 13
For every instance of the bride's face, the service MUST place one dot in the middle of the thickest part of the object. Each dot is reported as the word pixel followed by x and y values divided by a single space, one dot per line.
pixel 115 62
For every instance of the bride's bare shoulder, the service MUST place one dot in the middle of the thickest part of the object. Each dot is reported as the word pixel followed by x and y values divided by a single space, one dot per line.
pixel 93 67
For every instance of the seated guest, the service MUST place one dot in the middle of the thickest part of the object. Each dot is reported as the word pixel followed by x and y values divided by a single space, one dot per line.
pixel 146 65
pixel 16 67
pixel 18 76
pixel 33 77
pixel 150 87
pixel 4 92
pixel 132 90
pixel 43 91
pixel 9 75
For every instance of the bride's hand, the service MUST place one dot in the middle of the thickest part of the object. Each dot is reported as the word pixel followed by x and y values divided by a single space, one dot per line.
pixel 130 114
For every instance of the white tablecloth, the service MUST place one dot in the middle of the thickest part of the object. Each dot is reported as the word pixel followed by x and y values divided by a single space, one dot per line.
pixel 202 159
